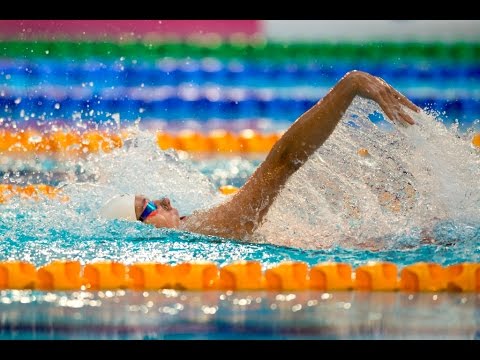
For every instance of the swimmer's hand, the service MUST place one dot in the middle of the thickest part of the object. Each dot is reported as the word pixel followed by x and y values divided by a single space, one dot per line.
pixel 389 99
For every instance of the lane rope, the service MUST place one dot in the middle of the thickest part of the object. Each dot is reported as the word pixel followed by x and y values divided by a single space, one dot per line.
pixel 240 275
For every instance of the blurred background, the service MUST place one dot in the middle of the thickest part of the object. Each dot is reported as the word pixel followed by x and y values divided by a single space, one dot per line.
pixel 206 75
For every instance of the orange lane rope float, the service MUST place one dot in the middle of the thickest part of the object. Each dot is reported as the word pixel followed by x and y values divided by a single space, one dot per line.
pixel 476 140
pixel 75 144
pixel 33 192
pixel 38 191
pixel 240 275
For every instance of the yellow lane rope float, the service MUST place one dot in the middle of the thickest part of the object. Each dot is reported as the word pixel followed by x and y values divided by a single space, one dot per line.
pixel 61 275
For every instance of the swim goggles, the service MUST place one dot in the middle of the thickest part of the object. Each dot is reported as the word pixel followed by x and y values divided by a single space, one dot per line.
pixel 149 209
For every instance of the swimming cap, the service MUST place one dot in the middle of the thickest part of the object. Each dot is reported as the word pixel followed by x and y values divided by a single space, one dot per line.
pixel 120 207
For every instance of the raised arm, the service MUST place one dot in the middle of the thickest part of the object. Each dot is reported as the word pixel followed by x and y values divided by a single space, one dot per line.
pixel 243 212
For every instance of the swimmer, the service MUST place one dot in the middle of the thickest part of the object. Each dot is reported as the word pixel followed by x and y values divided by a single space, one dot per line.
pixel 240 215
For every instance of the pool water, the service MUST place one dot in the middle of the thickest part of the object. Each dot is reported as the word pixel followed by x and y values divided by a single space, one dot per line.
pixel 42 231
pixel 409 191
pixel 212 315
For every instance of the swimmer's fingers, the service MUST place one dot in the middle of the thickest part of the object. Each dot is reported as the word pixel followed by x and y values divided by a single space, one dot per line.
pixel 407 118
pixel 389 99
pixel 393 110
pixel 391 91
pixel 399 111
pixel 410 105
pixel 405 101
pixel 402 115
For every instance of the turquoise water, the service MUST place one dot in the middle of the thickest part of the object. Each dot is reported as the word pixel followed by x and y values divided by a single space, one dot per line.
pixel 39 232
pixel 168 314
pixel 312 219
pixel 435 159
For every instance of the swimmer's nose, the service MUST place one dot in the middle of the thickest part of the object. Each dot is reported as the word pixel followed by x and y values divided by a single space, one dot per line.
pixel 166 203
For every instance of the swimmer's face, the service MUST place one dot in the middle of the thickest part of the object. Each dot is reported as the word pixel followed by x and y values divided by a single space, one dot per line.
pixel 165 215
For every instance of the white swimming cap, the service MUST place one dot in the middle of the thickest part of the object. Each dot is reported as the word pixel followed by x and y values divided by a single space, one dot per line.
pixel 120 207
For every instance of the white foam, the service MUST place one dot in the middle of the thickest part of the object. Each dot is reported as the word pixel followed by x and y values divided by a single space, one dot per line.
pixel 338 197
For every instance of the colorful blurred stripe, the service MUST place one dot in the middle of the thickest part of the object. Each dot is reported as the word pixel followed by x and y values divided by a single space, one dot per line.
pixel 225 82
pixel 115 28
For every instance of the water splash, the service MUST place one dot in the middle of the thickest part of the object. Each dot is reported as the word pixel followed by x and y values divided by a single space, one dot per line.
pixel 50 229
pixel 419 185
pixel 140 167
pixel 415 179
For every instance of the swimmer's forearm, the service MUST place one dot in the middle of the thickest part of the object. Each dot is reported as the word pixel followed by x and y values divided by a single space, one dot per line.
pixel 314 127
pixel 291 151
pixel 306 135
pixel 242 214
